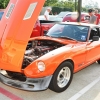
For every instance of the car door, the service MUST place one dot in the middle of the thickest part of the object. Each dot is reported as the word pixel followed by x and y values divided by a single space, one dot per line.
pixel 93 47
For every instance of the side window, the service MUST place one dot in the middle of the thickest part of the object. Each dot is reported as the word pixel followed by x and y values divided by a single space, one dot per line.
pixel 98 32
pixel 94 32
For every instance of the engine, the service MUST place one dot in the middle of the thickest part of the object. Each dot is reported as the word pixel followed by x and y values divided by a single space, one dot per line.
pixel 38 48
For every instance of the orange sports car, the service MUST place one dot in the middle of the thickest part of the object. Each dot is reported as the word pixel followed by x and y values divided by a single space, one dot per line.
pixel 51 60
pixel 46 61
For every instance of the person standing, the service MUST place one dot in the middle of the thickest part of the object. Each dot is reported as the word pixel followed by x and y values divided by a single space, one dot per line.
pixel 98 17
pixel 93 18
pixel 46 14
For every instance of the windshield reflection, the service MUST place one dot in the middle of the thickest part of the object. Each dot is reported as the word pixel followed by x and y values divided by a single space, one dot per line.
pixel 73 32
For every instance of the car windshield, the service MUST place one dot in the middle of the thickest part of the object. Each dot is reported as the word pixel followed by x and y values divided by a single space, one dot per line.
pixel 68 31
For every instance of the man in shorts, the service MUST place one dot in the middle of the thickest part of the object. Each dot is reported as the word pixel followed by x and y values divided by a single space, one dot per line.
pixel 46 14
pixel 93 18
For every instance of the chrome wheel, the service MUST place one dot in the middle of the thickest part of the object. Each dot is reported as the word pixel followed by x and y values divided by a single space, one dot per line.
pixel 63 77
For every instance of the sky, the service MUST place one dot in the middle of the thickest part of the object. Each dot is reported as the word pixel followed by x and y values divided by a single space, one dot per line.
pixel 85 2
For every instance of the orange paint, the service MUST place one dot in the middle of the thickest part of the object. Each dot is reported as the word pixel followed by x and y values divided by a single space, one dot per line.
pixel 15 31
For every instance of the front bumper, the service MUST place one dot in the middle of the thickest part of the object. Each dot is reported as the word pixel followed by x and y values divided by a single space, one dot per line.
pixel 30 84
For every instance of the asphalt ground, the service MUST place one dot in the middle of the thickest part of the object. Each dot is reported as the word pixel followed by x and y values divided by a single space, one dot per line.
pixel 85 86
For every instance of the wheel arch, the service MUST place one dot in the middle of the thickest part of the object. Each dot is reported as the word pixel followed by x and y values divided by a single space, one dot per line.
pixel 69 60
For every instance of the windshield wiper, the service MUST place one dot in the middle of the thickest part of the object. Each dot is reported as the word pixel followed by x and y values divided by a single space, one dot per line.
pixel 65 37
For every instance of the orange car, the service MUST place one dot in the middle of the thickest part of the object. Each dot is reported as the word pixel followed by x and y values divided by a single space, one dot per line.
pixel 46 61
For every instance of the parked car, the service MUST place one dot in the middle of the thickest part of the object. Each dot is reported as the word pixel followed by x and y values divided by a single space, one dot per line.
pixel 51 17
pixel 63 14
pixel 1 13
pixel 72 17
pixel 37 63
pixel 69 46
pixel 60 16
pixel 41 26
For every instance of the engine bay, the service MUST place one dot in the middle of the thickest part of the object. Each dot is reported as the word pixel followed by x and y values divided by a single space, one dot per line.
pixel 38 48
pixel 34 50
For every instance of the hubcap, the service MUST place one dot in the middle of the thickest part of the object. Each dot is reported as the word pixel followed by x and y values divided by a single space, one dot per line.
pixel 63 77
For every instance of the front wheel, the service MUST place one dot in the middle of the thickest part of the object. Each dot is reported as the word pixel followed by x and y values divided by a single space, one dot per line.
pixel 62 77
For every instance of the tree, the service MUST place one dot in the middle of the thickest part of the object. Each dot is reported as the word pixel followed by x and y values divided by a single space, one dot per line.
pixel 3 4
pixel 56 9
pixel 50 2
pixel 69 5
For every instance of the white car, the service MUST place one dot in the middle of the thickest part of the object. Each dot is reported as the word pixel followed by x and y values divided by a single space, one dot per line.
pixel 51 17
pixel 58 17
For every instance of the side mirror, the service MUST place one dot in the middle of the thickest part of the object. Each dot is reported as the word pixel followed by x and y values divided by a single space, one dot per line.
pixel 95 38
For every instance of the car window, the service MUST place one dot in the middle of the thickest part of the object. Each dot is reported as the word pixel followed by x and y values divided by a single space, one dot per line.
pixel 76 32
pixel 1 14
pixel 94 32
pixel 56 30
pixel 62 14
pixel 68 15
pixel 86 17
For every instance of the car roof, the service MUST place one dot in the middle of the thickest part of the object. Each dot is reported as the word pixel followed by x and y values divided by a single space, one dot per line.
pixel 79 23
pixel 64 13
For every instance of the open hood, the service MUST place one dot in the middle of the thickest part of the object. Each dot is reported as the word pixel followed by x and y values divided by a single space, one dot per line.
pixel 15 29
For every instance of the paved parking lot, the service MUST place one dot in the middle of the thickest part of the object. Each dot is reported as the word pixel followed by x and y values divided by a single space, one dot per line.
pixel 85 86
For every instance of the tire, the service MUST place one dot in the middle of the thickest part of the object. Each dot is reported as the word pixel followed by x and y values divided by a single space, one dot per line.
pixel 98 61
pixel 62 77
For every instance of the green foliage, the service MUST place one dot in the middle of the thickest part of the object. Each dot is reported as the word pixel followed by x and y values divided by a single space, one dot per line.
pixel 59 9
pixel 56 9
pixel 58 6
pixel 3 4
pixel 50 2
pixel 69 5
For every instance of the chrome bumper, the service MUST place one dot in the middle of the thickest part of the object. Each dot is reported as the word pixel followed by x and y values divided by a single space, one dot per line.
pixel 30 84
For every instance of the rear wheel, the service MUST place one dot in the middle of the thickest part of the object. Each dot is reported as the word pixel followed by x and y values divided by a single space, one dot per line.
pixel 62 77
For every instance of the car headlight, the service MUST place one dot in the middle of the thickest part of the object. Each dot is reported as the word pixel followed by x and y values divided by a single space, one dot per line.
pixel 41 66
